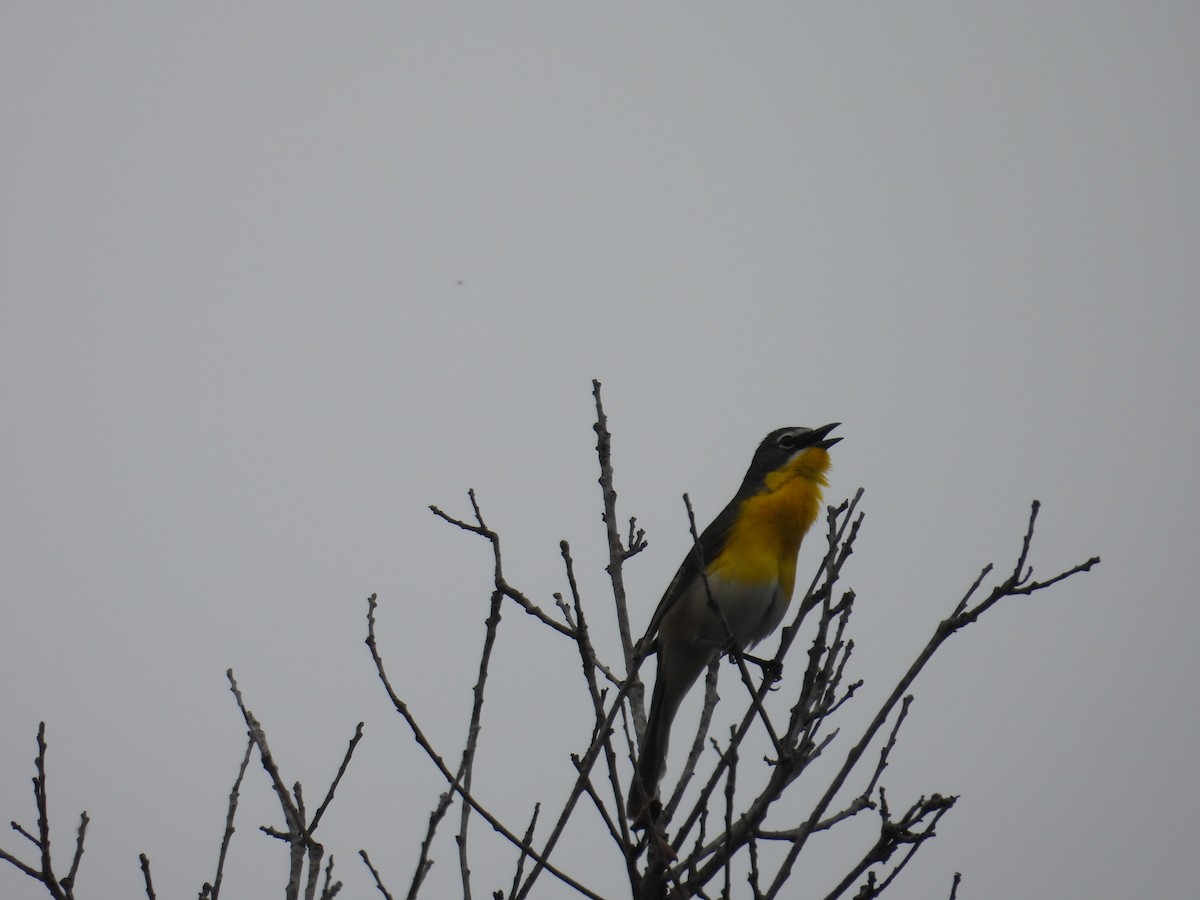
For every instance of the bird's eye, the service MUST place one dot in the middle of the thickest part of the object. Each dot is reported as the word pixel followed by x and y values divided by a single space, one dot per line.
pixel 787 441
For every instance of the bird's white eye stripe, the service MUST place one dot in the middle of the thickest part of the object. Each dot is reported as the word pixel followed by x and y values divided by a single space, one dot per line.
pixel 788 440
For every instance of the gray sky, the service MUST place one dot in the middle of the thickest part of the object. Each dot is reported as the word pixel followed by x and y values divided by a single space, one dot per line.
pixel 275 279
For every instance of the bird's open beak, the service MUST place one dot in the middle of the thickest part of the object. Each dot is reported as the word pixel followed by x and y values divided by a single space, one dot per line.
pixel 819 439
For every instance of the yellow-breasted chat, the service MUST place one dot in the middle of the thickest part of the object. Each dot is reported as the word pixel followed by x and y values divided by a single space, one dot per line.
pixel 748 559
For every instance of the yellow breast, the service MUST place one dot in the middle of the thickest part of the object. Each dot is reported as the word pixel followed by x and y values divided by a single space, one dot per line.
pixel 765 539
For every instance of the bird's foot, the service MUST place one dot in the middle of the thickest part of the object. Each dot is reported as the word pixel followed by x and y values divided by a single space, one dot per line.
pixel 772 669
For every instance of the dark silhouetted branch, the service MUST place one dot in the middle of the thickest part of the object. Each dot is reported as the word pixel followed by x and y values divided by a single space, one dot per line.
pixel 302 846
pixel 145 864
pixel 375 874
pixel 59 888
pixel 423 742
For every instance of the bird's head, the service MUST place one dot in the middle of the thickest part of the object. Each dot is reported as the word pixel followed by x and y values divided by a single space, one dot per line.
pixel 788 453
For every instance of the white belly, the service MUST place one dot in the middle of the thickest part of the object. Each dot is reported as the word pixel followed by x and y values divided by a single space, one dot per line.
pixel 752 611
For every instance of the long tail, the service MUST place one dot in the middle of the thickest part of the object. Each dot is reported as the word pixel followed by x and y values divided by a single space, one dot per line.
pixel 678 668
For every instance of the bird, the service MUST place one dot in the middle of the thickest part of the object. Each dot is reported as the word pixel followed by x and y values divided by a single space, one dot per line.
pixel 748 558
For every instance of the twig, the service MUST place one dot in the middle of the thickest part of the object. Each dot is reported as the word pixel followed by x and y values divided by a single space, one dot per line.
pixel 60 889
pixel 315 853
pixel 27 869
pixel 299 833
pixel 467 765
pixel 145 863
pixel 424 863
pixel 617 554
pixel 40 800
pixel 213 891
pixel 258 736
pixel 316 819
pixel 375 874
pixel 522 856
pixel 584 765
pixel 502 585
pixel 939 806
pixel 328 890
pixel 891 743
pixel 753 876
pixel 423 742
pixel 961 617
pixel 631 687
pixel 688 771
pixel 857 805
pixel 911 829
pixel 69 881
pixel 730 791
pixel 583 641
pixel 587 658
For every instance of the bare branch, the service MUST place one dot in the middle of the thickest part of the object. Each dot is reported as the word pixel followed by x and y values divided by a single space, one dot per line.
pixel 145 864
pixel 584 765
pixel 619 829
pixel 1039 585
pixel 331 888
pixel 959 619
pixel 299 834
pixel 688 771
pixel 25 834
pixel 424 863
pixel 730 791
pixel 213 891
pixel 40 800
pixel 616 552
pixel 315 853
pixel 290 810
pixel 24 867
pixel 912 829
pixel 69 882
pixel 537 809
pixel 583 640
pixel 887 748
pixel 466 766
pixel 857 805
pixel 60 889
pixel 903 833
pixel 358 733
pixel 501 583
pixel 375 874
pixel 631 687
pixel 423 742
pixel 636 542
